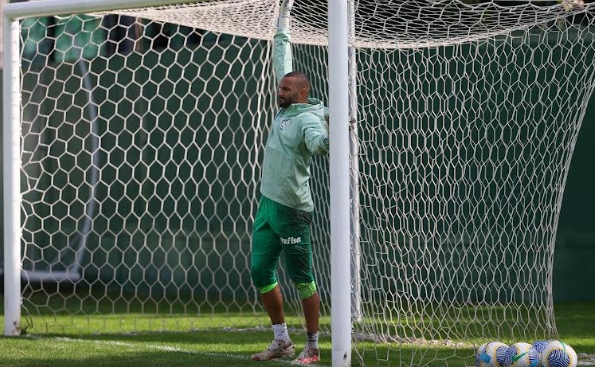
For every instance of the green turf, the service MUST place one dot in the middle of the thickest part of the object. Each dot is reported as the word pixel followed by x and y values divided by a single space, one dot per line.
pixel 162 349
pixel 225 345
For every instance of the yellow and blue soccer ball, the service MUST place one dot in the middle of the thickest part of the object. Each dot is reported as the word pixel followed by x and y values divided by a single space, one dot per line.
pixel 521 355
pixel 558 354
pixel 490 354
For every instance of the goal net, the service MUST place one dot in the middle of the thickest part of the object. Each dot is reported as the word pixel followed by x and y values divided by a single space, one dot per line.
pixel 142 134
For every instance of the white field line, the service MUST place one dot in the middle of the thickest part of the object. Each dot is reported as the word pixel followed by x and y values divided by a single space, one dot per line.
pixel 142 345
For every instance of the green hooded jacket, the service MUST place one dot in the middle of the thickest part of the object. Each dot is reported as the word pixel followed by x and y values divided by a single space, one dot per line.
pixel 297 133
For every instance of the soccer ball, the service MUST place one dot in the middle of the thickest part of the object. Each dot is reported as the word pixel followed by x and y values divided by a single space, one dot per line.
pixel 490 354
pixel 558 354
pixel 521 355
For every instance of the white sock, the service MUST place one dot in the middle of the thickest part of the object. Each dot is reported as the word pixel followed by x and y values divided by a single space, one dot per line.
pixel 312 340
pixel 280 331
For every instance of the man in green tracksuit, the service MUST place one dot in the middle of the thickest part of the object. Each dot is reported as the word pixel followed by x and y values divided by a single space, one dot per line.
pixel 282 223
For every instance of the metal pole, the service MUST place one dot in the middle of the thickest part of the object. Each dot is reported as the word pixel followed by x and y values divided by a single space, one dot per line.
pixel 12 178
pixel 339 183
pixel 356 303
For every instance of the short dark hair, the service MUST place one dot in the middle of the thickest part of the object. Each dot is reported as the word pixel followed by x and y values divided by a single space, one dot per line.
pixel 302 79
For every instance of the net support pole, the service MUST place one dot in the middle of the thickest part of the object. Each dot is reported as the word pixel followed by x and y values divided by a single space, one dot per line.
pixel 12 183
pixel 339 183
pixel 356 304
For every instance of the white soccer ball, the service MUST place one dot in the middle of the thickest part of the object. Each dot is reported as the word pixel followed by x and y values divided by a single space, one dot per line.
pixel 490 354
pixel 521 355
pixel 558 354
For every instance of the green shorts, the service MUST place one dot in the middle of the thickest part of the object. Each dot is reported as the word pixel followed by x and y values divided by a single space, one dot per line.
pixel 279 228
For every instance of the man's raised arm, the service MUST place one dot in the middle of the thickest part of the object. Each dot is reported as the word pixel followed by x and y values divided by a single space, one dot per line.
pixel 282 57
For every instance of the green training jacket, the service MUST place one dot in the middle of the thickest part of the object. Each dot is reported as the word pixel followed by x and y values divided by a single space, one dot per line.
pixel 297 133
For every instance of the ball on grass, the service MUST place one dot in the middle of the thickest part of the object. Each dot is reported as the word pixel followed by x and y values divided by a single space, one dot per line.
pixel 491 354
pixel 558 354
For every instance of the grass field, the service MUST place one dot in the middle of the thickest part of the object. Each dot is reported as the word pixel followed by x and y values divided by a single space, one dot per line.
pixel 225 346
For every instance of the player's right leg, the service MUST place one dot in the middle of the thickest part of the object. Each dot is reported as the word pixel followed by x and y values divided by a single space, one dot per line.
pixel 266 249
pixel 277 349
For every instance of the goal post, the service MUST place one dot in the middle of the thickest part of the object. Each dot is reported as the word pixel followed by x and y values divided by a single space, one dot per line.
pixel 11 167
pixel 340 195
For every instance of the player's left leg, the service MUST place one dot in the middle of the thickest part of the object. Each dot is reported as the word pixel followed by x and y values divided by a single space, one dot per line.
pixel 311 307
pixel 297 251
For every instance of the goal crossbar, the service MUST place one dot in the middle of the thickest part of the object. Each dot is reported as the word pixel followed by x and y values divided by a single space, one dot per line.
pixel 16 11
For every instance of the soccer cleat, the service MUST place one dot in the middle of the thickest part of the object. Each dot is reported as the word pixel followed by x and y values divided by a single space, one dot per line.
pixel 277 349
pixel 308 356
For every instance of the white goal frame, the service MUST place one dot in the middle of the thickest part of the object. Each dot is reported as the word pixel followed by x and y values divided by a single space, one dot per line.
pixel 339 173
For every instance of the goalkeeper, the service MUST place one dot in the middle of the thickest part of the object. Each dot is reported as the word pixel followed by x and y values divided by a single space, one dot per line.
pixel 282 223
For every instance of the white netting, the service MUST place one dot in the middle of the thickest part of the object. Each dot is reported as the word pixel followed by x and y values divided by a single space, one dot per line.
pixel 141 164
pixel 381 23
